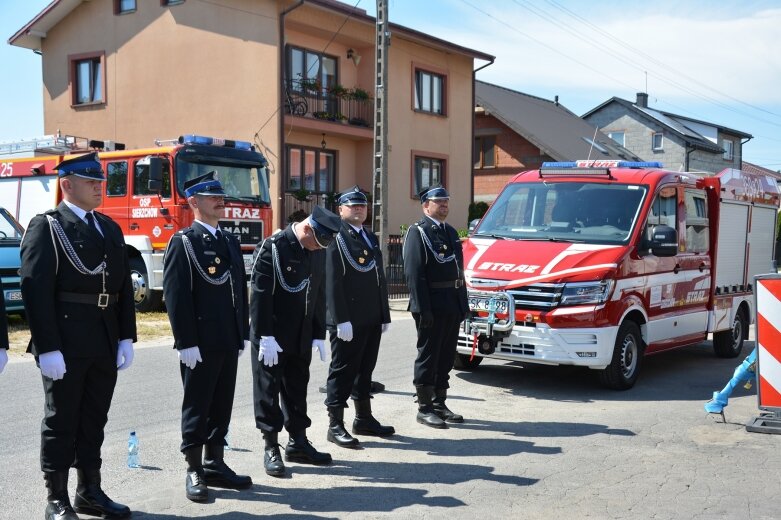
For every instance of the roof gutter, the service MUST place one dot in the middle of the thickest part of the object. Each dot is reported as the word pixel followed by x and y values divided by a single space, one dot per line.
pixel 474 101
pixel 740 163
pixel 281 103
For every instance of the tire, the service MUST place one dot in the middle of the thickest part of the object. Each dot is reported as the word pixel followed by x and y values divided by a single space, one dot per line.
pixel 624 368
pixel 729 343
pixel 146 300
pixel 462 362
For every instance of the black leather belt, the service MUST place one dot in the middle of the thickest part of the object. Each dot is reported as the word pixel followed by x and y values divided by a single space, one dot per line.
pixel 452 284
pixel 102 300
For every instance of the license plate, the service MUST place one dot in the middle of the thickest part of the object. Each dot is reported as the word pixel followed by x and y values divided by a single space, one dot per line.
pixel 248 263
pixel 14 296
pixel 482 304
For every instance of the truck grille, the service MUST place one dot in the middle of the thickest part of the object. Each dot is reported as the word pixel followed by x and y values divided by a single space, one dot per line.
pixel 249 232
pixel 537 296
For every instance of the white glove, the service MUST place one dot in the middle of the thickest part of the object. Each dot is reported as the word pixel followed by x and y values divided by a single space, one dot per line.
pixel 190 357
pixel 385 327
pixel 52 365
pixel 3 359
pixel 344 331
pixel 321 347
pixel 269 351
pixel 124 354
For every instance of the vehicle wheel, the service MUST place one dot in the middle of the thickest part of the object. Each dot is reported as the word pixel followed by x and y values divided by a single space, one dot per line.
pixel 146 300
pixel 462 362
pixel 622 372
pixel 729 343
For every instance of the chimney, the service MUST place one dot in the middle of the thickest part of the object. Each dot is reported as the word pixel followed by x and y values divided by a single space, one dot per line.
pixel 642 100
pixel 556 100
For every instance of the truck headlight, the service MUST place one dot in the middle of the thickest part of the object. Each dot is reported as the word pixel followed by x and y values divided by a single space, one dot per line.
pixel 583 293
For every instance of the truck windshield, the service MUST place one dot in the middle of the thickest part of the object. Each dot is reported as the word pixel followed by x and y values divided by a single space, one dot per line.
pixel 594 213
pixel 240 181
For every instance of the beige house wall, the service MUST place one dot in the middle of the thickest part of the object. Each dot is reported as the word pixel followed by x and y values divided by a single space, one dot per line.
pixel 214 69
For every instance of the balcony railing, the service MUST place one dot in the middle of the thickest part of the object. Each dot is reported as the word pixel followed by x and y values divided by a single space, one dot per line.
pixel 307 99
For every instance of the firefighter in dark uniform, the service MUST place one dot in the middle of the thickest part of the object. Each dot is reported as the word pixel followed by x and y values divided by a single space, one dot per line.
pixel 78 297
pixel 3 331
pixel 434 268
pixel 287 316
pixel 206 297
pixel 358 314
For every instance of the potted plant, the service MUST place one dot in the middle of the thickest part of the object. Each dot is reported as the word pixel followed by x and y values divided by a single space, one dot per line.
pixel 359 94
pixel 301 195
pixel 310 85
pixel 338 90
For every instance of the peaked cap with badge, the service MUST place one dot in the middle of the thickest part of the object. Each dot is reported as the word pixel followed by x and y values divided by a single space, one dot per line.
pixel 436 192
pixel 353 197
pixel 86 166
pixel 204 185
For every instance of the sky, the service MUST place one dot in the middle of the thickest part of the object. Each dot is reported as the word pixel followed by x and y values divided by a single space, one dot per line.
pixel 719 62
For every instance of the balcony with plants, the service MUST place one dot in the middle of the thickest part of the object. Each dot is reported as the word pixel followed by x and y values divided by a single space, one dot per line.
pixel 308 98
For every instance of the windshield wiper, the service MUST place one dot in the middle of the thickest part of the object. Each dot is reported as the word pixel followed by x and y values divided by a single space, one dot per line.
pixel 252 198
pixel 553 239
pixel 491 235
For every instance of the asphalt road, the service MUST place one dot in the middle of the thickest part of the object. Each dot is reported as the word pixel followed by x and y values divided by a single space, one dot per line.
pixel 537 443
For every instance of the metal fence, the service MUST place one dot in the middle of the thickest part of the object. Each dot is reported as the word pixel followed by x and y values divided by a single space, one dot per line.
pixel 307 99
pixel 394 269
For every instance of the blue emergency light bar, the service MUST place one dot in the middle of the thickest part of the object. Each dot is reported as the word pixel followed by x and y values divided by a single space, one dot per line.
pixel 215 141
pixel 601 164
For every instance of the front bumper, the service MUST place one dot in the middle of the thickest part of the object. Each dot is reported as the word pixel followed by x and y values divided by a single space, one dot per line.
pixel 539 343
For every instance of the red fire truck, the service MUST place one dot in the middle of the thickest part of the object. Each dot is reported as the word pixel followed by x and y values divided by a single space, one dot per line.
pixel 598 263
pixel 145 194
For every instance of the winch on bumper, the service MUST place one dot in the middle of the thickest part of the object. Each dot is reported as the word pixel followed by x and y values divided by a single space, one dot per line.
pixel 500 336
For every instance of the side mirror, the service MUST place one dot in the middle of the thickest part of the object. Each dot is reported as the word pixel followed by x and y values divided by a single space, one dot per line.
pixel 155 174
pixel 663 241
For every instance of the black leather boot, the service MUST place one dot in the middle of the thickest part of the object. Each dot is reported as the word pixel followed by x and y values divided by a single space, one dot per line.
pixel 366 424
pixel 445 413
pixel 195 484
pixel 91 500
pixel 300 450
pixel 272 459
pixel 218 474
pixel 426 413
pixel 336 431
pixel 59 505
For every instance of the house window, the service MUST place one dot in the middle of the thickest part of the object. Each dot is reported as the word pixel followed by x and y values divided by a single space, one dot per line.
pixel 141 179
pixel 310 169
pixel 116 179
pixel 310 70
pixel 485 151
pixel 124 6
pixel 727 145
pixel 429 92
pixel 88 80
pixel 428 172
pixel 657 141
pixel 617 137
pixel 171 2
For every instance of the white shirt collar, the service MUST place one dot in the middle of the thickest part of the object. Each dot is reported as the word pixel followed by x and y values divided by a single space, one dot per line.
pixel 211 230
pixel 438 223
pixel 81 213
pixel 357 229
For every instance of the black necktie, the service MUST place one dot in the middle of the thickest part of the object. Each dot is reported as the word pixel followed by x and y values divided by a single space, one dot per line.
pixel 218 234
pixel 91 223
pixel 442 226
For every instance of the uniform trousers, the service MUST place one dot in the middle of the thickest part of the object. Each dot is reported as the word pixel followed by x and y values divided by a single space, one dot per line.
pixel 280 392
pixel 352 364
pixel 436 350
pixel 76 411
pixel 208 398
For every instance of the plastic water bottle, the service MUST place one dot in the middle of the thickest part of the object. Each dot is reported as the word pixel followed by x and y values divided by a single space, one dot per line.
pixel 132 451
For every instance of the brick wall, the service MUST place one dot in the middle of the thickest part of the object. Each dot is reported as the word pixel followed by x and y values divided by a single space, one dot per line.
pixel 513 155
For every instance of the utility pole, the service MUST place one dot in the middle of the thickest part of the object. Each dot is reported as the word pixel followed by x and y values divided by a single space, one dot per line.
pixel 380 177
